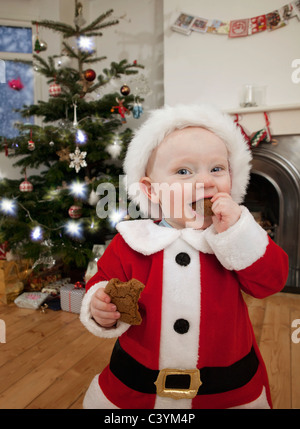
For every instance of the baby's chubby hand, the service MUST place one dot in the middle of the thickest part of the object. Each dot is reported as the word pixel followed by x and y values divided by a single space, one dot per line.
pixel 226 211
pixel 103 311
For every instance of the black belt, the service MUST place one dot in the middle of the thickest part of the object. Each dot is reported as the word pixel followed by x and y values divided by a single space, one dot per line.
pixel 214 379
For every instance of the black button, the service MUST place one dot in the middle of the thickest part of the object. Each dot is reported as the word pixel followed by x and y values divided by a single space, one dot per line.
pixel 183 259
pixel 181 326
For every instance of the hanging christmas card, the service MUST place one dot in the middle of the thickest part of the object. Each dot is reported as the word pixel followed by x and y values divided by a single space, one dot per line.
pixel 287 11
pixel 258 24
pixel 183 23
pixel 218 27
pixel 296 8
pixel 200 25
pixel 274 20
pixel 239 28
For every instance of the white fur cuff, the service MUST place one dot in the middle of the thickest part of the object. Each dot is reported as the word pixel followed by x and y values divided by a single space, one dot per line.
pixel 88 321
pixel 241 245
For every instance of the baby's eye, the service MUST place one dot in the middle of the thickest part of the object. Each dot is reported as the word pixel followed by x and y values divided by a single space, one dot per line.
pixel 183 171
pixel 216 169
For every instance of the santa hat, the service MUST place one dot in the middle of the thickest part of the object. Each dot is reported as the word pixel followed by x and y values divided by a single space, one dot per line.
pixel 162 122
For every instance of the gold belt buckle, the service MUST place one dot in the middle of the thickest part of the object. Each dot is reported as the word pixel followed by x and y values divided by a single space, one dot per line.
pixel 175 393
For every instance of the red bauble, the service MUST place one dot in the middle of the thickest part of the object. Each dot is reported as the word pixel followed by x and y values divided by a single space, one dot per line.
pixel 16 84
pixel 75 212
pixel 54 90
pixel 89 75
pixel 26 186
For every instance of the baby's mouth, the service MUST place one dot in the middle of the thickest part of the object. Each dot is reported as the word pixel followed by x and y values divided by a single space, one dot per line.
pixel 202 207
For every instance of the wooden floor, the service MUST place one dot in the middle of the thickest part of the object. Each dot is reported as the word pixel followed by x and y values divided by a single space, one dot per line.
pixel 49 358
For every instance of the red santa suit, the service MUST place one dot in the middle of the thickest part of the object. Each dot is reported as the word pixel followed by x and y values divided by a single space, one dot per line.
pixel 194 315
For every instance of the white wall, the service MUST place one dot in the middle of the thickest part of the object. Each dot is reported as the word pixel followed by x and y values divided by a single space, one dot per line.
pixel 213 68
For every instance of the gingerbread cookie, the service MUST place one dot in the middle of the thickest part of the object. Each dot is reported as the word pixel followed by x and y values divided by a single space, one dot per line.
pixel 203 207
pixel 125 296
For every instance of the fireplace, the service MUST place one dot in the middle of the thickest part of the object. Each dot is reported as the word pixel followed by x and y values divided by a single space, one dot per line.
pixel 273 197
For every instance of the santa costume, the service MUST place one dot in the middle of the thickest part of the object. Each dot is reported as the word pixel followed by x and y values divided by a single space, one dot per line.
pixel 195 347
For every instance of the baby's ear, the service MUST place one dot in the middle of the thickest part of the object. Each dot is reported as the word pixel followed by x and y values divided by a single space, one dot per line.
pixel 149 190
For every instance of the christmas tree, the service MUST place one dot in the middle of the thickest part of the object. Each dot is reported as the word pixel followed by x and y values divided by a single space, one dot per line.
pixel 52 215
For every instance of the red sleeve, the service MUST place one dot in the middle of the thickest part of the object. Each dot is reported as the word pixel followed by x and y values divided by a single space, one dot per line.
pixel 267 275
pixel 110 265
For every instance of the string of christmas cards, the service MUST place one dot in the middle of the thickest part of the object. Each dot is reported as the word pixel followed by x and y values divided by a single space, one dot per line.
pixel 278 18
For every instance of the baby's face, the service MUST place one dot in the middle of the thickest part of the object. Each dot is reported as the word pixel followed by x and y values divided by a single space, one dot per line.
pixel 193 164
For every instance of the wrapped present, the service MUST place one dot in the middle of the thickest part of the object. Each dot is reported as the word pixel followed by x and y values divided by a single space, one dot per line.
pixel 32 300
pixel 71 297
pixel 54 288
pixel 11 291
pixel 13 274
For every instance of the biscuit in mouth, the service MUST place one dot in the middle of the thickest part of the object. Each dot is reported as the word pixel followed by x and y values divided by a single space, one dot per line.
pixel 203 207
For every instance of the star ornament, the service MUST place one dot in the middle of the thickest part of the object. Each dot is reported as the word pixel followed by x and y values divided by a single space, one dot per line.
pixel 77 159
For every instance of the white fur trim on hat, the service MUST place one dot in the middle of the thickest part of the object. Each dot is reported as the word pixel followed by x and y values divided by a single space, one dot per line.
pixel 162 122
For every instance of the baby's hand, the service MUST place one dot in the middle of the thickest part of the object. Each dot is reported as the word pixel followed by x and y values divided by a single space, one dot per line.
pixel 103 311
pixel 226 211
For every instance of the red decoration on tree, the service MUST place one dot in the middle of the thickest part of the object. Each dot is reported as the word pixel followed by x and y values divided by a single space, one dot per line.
pixel 89 75
pixel 26 186
pixel 75 212
pixel 16 84
pixel 31 144
pixel 54 90
pixel 121 109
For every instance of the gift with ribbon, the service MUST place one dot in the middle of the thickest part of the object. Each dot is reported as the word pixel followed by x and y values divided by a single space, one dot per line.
pixel 71 296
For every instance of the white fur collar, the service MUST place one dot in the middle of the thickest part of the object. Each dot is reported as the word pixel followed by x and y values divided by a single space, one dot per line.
pixel 146 237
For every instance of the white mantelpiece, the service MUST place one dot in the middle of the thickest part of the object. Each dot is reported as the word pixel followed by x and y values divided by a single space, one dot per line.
pixel 284 119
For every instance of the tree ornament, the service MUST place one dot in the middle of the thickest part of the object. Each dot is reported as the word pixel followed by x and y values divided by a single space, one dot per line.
pixel 37 46
pixel 75 122
pixel 16 84
pixel 31 144
pixel 43 45
pixel 137 110
pixel 115 148
pixel 93 198
pixel 54 90
pixel 79 20
pixel 125 90
pixel 64 154
pixel 89 75
pixel 121 109
pixel 26 186
pixel 77 159
pixel 75 212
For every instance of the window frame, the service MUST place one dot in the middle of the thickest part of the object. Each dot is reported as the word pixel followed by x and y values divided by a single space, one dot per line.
pixel 37 82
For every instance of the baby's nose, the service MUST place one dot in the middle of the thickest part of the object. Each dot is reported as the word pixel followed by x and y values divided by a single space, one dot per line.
pixel 204 181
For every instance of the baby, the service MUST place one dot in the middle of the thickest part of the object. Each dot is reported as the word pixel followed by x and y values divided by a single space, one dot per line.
pixel 195 347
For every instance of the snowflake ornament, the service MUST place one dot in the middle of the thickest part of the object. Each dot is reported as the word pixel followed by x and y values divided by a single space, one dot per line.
pixel 77 159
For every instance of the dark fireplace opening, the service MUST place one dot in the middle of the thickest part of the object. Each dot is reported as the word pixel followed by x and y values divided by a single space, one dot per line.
pixel 262 201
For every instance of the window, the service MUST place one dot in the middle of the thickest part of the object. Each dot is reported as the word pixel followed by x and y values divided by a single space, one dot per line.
pixel 15 43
